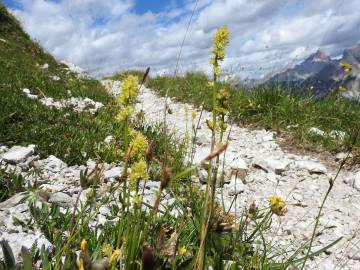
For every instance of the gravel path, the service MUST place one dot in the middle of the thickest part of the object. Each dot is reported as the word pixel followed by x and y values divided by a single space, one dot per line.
pixel 266 170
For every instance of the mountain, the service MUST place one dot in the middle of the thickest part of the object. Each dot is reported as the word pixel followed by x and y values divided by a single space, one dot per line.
pixel 323 74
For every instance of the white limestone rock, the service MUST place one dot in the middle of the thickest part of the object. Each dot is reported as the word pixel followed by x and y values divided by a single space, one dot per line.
pixel 61 199
pixel 317 131
pixel 356 183
pixel 113 173
pixel 272 164
pixel 17 240
pixel 52 164
pixel 203 175
pixel 311 166
pixel 55 78
pixel 13 201
pixel 337 134
pixel 202 139
pixel 341 156
pixel 18 154
pixel 108 139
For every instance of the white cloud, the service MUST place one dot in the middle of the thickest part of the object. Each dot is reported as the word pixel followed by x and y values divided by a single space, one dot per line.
pixel 105 36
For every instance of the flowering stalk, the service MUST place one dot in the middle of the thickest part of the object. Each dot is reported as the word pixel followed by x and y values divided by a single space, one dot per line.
pixel 220 41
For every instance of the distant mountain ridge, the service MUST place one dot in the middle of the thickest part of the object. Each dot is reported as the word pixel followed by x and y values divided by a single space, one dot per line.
pixel 323 74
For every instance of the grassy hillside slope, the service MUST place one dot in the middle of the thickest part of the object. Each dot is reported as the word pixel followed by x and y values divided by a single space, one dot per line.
pixel 71 136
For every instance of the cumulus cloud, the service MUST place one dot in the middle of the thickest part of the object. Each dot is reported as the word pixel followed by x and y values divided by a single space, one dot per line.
pixel 105 36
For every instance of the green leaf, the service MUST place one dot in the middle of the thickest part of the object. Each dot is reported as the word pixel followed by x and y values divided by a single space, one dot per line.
pixel 8 255
pixel 44 258
pixel 26 256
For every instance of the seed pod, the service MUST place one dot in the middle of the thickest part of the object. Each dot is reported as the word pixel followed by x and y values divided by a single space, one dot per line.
pixel 165 177
pixel 217 151
pixel 149 156
pixel 145 75
pixel 148 259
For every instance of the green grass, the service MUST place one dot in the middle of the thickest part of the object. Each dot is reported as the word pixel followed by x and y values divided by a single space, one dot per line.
pixel 63 133
pixel 272 108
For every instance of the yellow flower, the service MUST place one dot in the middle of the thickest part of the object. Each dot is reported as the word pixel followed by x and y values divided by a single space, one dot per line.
pixel 138 146
pixel 129 91
pixel 138 171
pixel 114 256
pixel 222 101
pixel 342 88
pixel 83 245
pixel 223 126
pixel 211 84
pixel 193 115
pixel 81 264
pixel 107 249
pixel 182 250
pixel 221 40
pixel 277 205
pixel 346 66
pixel 125 113
pixel 137 199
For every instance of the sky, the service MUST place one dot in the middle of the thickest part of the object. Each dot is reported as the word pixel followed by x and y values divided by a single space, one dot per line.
pixel 105 36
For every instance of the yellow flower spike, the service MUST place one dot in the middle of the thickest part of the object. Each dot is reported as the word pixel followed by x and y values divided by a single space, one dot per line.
pixel 138 171
pixel 129 91
pixel 277 205
pixel 114 256
pixel 220 41
pixel 182 250
pixel 83 245
pixel 138 145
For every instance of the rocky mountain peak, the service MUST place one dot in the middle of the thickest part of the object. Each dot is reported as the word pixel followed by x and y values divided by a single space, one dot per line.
pixel 318 56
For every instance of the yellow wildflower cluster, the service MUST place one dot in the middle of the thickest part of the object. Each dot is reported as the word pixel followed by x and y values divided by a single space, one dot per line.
pixel 182 250
pixel 346 66
pixel 125 113
pixel 129 91
pixel 127 98
pixel 222 101
pixel 277 205
pixel 106 249
pixel 114 256
pixel 342 88
pixel 221 40
pixel 139 145
pixel 138 171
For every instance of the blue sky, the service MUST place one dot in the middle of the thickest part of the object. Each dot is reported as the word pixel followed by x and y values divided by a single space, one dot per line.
pixel 155 6
pixel 266 35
